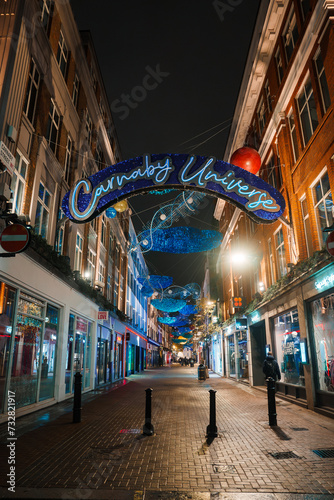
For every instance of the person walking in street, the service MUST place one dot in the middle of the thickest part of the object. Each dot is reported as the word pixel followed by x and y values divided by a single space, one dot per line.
pixel 271 368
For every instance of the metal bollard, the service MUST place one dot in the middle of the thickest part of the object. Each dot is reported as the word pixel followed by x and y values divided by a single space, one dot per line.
pixel 148 429
pixel 77 398
pixel 271 402
pixel 211 430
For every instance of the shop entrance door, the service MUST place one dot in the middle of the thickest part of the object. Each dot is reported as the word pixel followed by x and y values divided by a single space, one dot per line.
pixel 101 361
pixel 258 343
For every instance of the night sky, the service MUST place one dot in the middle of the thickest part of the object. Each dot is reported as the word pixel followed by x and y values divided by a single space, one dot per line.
pixel 172 71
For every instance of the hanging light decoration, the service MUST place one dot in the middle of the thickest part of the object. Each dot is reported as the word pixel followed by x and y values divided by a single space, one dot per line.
pixel 174 321
pixel 189 309
pixel 180 239
pixel 187 335
pixel 147 291
pixel 168 305
pixel 184 329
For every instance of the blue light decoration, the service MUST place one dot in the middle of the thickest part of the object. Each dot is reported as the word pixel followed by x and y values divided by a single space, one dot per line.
pixel 168 305
pixel 111 213
pixel 191 290
pixel 184 329
pixel 189 309
pixel 181 240
pixel 179 323
pixel 172 321
pixel 147 291
pixel 184 205
pixel 89 197
pixel 160 281
pixel 187 335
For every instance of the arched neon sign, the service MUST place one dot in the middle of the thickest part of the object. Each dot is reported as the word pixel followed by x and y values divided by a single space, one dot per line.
pixel 91 196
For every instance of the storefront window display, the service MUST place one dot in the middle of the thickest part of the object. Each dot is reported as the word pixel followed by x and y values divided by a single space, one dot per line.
pixel 103 356
pixel 231 355
pixel 49 353
pixel 323 330
pixel 7 303
pixel 78 352
pixel 243 355
pixel 287 338
pixel 69 356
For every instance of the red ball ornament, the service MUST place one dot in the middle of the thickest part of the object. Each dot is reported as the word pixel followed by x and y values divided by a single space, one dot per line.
pixel 247 158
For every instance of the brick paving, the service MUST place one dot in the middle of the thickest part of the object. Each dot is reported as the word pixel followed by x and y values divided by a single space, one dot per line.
pixel 106 454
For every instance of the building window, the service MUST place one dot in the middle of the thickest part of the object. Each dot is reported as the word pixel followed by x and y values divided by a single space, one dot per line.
pixel 32 91
pixel 322 80
pixel 103 230
pixel 42 211
pixel 280 253
pixel 293 136
pixel 78 253
pixel 18 183
pixel 271 261
pixel 290 35
pixel 91 264
pixel 274 173
pixel 59 245
pixel 62 54
pixel 109 287
pixel 307 226
pixel 261 116
pixel 116 287
pixel 268 97
pixel 111 244
pixel 46 6
pixel 75 92
pixel 305 7
pixel 307 111
pixel 53 127
pixel 89 127
pixel 323 205
pixel 68 156
pixel 94 224
pixel 94 79
pixel 279 65
pixel 101 272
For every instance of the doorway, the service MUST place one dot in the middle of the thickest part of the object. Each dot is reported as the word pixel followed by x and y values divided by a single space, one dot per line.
pixel 258 346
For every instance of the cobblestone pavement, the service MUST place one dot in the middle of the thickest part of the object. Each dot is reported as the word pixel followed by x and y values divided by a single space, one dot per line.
pixel 107 456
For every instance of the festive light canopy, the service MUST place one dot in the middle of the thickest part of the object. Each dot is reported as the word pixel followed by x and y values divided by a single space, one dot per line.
pixel 174 321
pixel 184 329
pixel 189 309
pixel 168 305
pixel 181 239
pixel 147 291
pixel 187 335
pixel 191 290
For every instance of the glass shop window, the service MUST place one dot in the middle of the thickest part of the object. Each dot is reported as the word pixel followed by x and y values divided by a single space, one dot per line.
pixel 287 341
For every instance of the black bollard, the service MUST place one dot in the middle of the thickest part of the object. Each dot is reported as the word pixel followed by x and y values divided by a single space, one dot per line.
pixel 77 398
pixel 211 430
pixel 271 402
pixel 148 429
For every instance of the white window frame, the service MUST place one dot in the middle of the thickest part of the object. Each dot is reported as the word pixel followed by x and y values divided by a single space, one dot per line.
pixel 78 252
pixel 18 183
pixel 261 115
pixel 46 13
pixel 306 104
pixel 288 35
pixel 103 230
pixel 321 234
pixel 89 127
pixel 60 230
pixel 271 260
pixel 75 91
pixel 53 123
pixel 109 287
pixel 62 54
pixel 33 82
pixel 44 210
pixel 306 224
pixel 91 265
pixel 293 134
pixel 282 267
pixel 322 80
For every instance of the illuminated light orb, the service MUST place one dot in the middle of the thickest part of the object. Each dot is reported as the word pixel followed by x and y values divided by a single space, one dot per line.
pixel 168 305
pixel 247 158
pixel 121 206
pixel 163 216
pixel 111 213
pixel 183 240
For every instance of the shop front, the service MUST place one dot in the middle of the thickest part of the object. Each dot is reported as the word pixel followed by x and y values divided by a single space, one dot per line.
pixel 320 309
pixel 136 345
pixel 104 354
pixel 217 353
pixel 118 371
pixel 79 352
pixel 152 354
pixel 236 338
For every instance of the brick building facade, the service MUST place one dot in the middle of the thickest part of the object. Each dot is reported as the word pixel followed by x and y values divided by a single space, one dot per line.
pixel 285 112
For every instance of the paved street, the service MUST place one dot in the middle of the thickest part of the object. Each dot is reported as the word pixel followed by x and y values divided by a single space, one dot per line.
pixel 106 455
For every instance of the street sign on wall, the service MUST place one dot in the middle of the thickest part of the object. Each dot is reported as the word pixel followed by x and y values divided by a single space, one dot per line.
pixel 330 243
pixel 15 238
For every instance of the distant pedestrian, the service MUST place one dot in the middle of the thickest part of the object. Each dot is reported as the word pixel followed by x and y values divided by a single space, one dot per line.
pixel 271 368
